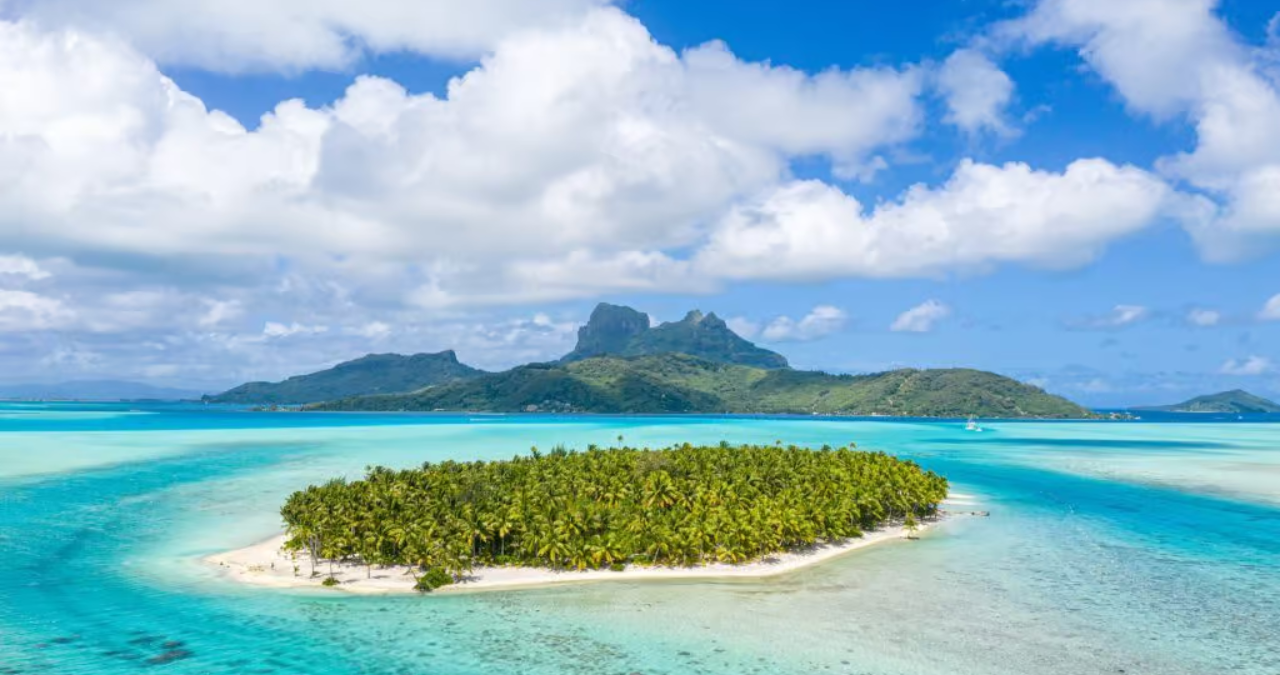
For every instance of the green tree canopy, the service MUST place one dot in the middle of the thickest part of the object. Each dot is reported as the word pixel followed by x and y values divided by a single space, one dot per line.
pixel 682 505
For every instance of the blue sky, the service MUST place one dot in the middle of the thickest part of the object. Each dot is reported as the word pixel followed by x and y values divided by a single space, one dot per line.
pixel 1078 193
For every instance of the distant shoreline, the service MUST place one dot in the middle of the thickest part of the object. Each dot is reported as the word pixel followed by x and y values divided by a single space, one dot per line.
pixel 292 408
pixel 265 564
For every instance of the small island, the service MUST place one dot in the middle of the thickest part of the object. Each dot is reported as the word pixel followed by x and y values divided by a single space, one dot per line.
pixel 682 511
pixel 1236 401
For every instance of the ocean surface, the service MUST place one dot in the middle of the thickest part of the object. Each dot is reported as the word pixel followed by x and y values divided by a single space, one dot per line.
pixel 1144 548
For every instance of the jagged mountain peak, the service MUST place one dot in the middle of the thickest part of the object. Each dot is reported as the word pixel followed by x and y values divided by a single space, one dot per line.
pixel 609 330
pixel 617 330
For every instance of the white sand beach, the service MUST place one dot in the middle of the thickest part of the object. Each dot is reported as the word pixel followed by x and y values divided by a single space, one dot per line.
pixel 266 564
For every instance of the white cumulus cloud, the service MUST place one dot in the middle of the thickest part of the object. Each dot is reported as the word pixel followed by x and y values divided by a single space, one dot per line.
pixel 822 321
pixel 984 215
pixel 1271 310
pixel 921 318
pixel 373 330
pixel 571 162
pixel 1178 59
pixel 576 157
pixel 743 326
pixel 219 311
pixel 292 35
pixel 976 92
pixel 1204 317
pixel 22 266
pixel 23 311
pixel 1120 316
pixel 585 142
pixel 273 329
pixel 1248 367
pixel 1123 315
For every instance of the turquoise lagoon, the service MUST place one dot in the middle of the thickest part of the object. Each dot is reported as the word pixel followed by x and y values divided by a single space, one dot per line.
pixel 1137 548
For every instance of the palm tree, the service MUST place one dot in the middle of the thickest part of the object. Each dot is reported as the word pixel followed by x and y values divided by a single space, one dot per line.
pixel 911 526
pixel 681 505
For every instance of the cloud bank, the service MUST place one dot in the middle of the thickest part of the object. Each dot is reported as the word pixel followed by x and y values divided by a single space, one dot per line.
pixel 576 157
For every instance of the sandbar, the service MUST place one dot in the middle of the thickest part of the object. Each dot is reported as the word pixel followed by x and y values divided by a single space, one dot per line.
pixel 267 564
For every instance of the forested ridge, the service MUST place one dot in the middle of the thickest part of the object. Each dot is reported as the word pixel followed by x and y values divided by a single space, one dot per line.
pixel 607 508
pixel 624 365
pixel 371 374
pixel 679 383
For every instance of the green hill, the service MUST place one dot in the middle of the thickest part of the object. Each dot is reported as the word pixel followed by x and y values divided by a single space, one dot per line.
pixel 679 383
pixel 621 331
pixel 1235 401
pixel 372 374
pixel 623 365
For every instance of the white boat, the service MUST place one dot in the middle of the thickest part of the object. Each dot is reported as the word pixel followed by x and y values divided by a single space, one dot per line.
pixel 972 425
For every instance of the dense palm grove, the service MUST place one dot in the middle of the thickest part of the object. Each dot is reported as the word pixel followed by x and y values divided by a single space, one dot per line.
pixel 683 505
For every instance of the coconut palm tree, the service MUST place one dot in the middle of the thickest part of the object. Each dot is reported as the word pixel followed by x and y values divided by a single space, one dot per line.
pixel 680 505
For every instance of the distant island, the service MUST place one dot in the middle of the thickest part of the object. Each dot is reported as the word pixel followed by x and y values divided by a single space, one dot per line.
pixel 677 383
pixel 1236 401
pixel 372 374
pixel 621 510
pixel 623 365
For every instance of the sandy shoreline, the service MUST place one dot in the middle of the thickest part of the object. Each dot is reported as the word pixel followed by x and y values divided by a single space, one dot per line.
pixel 265 564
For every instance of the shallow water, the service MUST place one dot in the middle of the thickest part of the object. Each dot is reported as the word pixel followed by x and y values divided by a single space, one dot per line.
pixel 1149 548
